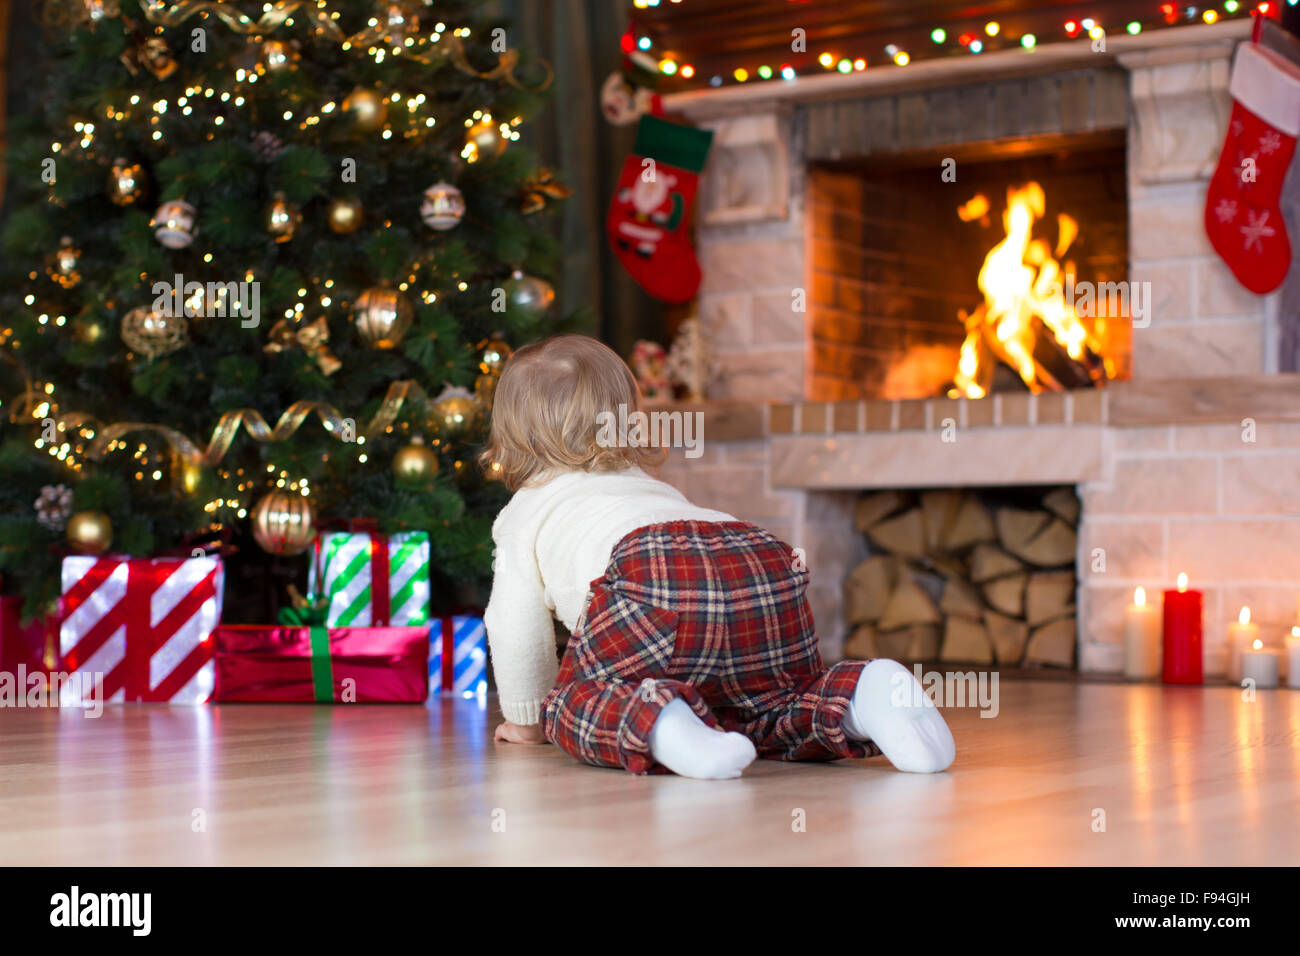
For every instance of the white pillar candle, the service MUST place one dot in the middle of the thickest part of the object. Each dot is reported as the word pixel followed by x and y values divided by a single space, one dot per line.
pixel 1259 663
pixel 1240 636
pixel 1142 630
pixel 1293 658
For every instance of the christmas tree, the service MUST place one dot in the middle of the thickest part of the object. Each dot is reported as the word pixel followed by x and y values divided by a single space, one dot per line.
pixel 261 266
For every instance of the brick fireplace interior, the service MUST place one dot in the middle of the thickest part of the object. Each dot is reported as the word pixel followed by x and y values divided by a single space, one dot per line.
pixel 893 265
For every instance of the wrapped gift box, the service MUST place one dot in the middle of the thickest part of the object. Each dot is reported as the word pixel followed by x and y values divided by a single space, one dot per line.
pixel 458 655
pixel 321 665
pixel 139 628
pixel 372 579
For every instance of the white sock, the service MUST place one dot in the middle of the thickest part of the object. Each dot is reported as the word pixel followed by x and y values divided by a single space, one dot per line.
pixel 890 709
pixel 689 747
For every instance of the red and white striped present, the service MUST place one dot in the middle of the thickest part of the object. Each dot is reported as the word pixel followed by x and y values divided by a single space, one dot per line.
pixel 141 628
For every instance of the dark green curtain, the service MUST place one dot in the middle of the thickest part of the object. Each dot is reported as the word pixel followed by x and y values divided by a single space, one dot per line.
pixel 580 39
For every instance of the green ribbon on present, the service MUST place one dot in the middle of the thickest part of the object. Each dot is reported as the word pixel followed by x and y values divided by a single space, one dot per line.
pixel 322 668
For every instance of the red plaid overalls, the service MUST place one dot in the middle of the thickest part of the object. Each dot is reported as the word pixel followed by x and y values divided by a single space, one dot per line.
pixel 713 613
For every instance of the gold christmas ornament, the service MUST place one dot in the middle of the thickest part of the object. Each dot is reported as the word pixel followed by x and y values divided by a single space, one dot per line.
pixel 493 355
pixel 367 108
pixel 63 265
pixel 282 218
pixel 529 294
pixel 443 207
pixel 382 315
pixel 415 465
pixel 125 182
pixel 153 334
pixel 278 56
pixel 345 215
pixel 455 412
pixel 283 522
pixel 89 532
pixel 483 140
pixel 173 224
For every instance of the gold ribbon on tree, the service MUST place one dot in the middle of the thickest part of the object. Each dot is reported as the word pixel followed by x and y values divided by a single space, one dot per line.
pixel 313 338
pixel 399 394
pixel 317 11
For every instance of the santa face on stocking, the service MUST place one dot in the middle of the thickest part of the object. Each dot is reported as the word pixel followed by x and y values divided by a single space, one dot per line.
pixel 651 210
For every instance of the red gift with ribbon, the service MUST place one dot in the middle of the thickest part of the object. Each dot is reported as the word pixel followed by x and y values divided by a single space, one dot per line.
pixel 309 663
pixel 140 628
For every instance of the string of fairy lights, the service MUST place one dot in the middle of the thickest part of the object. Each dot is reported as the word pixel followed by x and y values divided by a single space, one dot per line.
pixel 976 40
pixel 72 437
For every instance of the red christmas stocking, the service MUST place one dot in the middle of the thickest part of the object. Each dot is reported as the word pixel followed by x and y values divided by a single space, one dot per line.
pixel 646 222
pixel 1242 216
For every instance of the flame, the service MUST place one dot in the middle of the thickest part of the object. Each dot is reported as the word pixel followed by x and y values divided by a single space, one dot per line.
pixel 1258 645
pixel 1022 280
pixel 1182 581
pixel 1140 597
pixel 1244 616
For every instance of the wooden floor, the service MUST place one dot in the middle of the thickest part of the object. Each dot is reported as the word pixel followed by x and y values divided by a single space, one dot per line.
pixel 1183 775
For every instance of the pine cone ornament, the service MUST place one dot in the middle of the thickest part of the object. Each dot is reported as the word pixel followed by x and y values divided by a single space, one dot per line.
pixel 267 147
pixel 54 506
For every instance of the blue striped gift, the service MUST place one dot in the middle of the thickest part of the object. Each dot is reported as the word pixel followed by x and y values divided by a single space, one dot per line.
pixel 463 638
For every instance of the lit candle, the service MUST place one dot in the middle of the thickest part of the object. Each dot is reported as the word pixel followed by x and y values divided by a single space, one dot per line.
pixel 1183 612
pixel 1141 638
pixel 1259 663
pixel 1293 657
pixel 1240 636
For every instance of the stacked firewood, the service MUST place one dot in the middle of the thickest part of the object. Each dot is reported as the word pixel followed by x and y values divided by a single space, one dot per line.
pixel 965 576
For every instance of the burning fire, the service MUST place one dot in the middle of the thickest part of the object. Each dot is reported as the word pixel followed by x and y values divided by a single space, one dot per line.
pixel 1022 281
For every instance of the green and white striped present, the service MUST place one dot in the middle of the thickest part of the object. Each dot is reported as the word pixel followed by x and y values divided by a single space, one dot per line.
pixel 372 580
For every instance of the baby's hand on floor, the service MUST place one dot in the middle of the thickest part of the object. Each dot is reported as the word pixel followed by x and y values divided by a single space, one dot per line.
pixel 520 733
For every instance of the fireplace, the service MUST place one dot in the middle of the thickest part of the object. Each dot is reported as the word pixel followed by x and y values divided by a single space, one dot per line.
pixel 897 258
pixel 838 266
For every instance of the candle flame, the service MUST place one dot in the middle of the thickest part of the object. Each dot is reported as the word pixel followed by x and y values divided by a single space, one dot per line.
pixel 1140 596
pixel 1182 581
pixel 1295 631
pixel 1258 645
pixel 1244 616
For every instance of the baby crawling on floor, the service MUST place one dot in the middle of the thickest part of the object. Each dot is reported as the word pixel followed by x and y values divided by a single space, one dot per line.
pixel 692 644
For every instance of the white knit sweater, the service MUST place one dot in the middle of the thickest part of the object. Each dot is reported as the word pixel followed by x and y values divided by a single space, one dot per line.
pixel 552 540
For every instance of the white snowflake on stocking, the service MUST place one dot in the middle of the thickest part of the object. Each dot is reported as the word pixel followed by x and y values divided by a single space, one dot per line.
pixel 1226 210
pixel 1256 230
pixel 1237 126
pixel 1270 142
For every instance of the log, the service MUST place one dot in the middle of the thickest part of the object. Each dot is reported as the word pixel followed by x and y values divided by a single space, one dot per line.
pixel 1048 595
pixel 908 604
pixel 873 508
pixel 966 640
pixel 1008 635
pixel 972 525
pixel 939 509
pixel 1036 537
pixel 902 534
pixel 868 588
pixel 861 645
pixel 916 642
pixel 961 599
pixel 1007 594
pixel 1063 503
pixel 1052 644
pixel 988 561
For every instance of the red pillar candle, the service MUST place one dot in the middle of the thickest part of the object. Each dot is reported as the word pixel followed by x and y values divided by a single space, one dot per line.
pixel 1182 635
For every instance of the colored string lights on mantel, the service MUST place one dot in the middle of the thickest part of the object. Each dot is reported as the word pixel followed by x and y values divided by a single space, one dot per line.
pixel 949 39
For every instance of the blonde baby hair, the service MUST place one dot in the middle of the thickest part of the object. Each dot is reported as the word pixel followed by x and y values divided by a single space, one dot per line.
pixel 547 407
